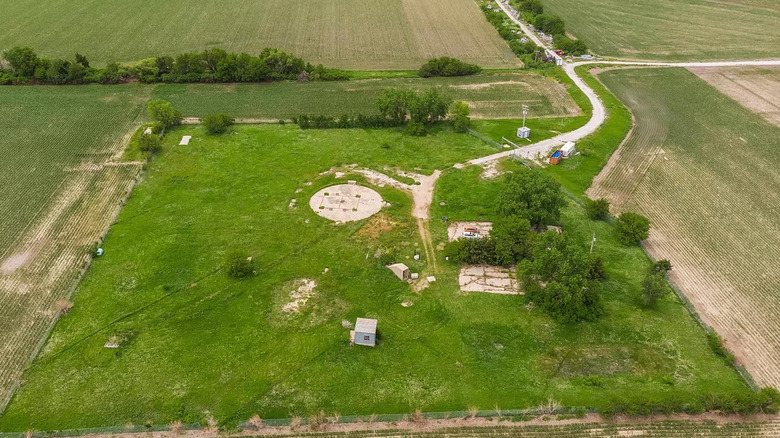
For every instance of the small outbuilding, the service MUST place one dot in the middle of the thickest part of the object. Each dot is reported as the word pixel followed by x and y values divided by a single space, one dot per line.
pixel 524 132
pixel 365 332
pixel 185 140
pixel 400 270
pixel 568 149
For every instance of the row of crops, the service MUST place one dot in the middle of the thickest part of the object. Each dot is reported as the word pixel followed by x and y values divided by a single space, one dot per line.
pixel 705 170
pixel 56 198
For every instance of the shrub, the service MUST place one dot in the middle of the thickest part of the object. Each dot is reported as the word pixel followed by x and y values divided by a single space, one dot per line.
pixel 416 129
pixel 217 123
pixel 597 270
pixel 149 143
pixel 23 60
pixel 598 209
pixel 716 345
pixel 654 287
pixel 162 111
pixel 533 6
pixel 661 266
pixel 570 46
pixel 446 66
pixel 550 24
pixel 239 264
pixel 459 116
pixel 472 251
pixel 632 228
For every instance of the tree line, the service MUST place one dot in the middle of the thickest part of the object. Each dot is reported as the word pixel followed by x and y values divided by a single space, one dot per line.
pixel 398 107
pixel 212 65
pixel 532 11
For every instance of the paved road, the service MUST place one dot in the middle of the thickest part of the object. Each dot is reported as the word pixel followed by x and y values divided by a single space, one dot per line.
pixel 540 150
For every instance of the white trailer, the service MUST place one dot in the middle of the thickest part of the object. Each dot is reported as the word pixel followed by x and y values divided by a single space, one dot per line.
pixel 568 149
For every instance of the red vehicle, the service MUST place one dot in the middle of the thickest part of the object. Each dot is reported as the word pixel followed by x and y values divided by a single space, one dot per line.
pixel 559 52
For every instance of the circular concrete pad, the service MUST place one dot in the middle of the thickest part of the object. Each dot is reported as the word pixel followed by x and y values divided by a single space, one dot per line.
pixel 346 202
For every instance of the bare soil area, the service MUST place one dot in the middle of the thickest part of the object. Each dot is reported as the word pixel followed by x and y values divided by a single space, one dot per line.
pixel 756 88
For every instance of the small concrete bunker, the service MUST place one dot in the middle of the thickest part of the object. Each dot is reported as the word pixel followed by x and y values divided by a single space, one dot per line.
pixel 400 270
pixel 364 333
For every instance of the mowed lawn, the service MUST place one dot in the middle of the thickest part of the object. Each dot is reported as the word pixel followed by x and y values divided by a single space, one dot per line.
pixel 489 95
pixel 56 197
pixel 674 30
pixel 195 340
pixel 352 34
pixel 705 170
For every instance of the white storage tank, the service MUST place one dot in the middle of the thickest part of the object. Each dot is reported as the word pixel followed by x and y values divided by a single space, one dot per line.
pixel 568 149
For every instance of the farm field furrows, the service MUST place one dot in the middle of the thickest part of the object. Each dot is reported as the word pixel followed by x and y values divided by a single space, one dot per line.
pixel 57 195
pixel 195 340
pixel 707 172
pixel 674 30
pixel 757 88
pixel 491 95
pixel 353 34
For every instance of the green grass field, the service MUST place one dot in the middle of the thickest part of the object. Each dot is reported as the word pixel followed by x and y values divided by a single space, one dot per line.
pixel 196 340
pixel 674 30
pixel 56 197
pixel 490 95
pixel 352 34
pixel 705 170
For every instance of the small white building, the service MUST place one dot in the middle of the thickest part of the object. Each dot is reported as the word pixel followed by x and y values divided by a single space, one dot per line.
pixel 365 332
pixel 185 140
pixel 568 149
pixel 524 132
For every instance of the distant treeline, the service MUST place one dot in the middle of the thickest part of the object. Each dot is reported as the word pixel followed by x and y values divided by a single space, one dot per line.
pixel 532 12
pixel 212 65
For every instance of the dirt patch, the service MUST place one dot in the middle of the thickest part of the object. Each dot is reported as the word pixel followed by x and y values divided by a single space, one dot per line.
pixel 14 262
pixel 756 88
pixel 456 229
pixel 302 291
pixel 376 226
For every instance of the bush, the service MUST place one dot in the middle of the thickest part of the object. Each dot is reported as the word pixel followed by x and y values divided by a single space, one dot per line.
pixel 416 129
pixel 471 251
pixel 716 345
pixel 661 266
pixel 598 209
pixel 550 24
pixel 459 116
pixel 162 111
pixel 632 228
pixel 654 287
pixel 446 66
pixel 570 46
pixel 217 123
pixel 239 264
pixel 149 143
pixel 533 6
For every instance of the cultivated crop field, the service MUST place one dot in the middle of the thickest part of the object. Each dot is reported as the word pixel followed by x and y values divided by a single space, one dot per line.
pixel 193 340
pixel 490 95
pixel 353 34
pixel 674 30
pixel 705 170
pixel 58 191
pixel 757 88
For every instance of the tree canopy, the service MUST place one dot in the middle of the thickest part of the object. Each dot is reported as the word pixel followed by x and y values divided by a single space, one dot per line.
pixel 533 195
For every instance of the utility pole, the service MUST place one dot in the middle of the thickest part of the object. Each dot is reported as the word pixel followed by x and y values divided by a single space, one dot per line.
pixel 592 242
pixel 525 113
